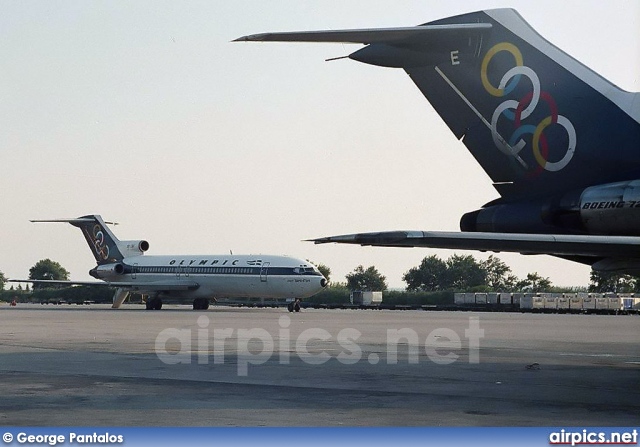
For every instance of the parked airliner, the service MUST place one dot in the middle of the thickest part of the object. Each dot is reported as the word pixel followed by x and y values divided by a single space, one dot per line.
pixel 560 143
pixel 122 264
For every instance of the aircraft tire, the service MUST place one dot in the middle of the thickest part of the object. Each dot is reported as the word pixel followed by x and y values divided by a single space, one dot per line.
pixel 296 307
pixel 154 304
pixel 290 306
pixel 200 304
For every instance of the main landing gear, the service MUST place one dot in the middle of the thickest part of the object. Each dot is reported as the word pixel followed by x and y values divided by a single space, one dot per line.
pixel 200 304
pixel 154 303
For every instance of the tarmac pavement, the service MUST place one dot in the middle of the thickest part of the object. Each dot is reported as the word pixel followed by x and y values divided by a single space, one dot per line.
pixel 91 365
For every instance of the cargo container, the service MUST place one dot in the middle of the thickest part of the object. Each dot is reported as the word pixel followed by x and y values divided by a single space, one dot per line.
pixel 515 298
pixel 551 301
pixel 589 304
pixel 469 298
pixel 532 302
pixel 481 298
pixel 615 304
pixel 362 298
pixel 601 303
pixel 505 298
pixel 575 304
pixel 492 298
pixel 630 304
pixel 458 298
pixel 563 304
pixel 538 302
pixel 526 302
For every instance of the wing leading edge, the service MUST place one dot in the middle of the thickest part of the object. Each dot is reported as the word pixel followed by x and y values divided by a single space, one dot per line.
pixel 562 245
pixel 154 286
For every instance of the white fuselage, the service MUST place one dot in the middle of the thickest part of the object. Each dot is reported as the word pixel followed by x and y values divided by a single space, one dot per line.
pixel 222 276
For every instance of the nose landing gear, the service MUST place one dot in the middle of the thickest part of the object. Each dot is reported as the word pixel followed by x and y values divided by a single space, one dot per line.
pixel 294 306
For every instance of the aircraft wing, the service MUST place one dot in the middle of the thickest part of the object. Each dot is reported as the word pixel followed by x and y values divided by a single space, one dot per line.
pixel 525 243
pixel 131 285
pixel 403 35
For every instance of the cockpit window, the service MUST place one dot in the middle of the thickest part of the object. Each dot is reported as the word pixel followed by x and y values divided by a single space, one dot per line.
pixel 304 270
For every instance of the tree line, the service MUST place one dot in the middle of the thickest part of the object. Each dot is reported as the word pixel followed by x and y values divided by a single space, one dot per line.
pixel 468 274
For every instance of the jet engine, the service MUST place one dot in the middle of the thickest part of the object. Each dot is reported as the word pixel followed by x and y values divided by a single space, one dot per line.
pixel 133 248
pixel 107 270
pixel 609 209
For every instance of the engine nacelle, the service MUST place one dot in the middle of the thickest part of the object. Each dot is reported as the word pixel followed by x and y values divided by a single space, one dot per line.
pixel 610 209
pixel 521 217
pixel 613 208
pixel 106 271
pixel 133 248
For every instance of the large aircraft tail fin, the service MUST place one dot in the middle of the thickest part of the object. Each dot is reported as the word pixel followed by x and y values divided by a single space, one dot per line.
pixel 538 121
pixel 105 246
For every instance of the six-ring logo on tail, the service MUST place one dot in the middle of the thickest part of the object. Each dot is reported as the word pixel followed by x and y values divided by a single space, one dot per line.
pixel 519 111
pixel 102 250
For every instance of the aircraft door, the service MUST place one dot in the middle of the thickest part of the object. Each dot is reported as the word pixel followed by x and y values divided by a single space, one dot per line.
pixel 264 271
pixel 134 271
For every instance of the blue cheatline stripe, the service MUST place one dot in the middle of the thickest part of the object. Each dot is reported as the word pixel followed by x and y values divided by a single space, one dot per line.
pixel 195 270
pixel 285 437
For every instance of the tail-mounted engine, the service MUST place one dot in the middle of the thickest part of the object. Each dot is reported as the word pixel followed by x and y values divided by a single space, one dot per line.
pixel 610 209
pixel 106 271
pixel 133 248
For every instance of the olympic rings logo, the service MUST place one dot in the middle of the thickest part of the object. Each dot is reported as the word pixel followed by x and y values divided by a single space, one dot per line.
pixel 517 111
pixel 101 248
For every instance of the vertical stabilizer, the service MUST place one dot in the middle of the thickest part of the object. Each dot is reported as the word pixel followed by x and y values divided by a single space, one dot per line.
pixel 103 243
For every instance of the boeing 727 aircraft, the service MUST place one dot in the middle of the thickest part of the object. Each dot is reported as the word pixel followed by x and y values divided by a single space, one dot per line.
pixel 121 264
pixel 560 143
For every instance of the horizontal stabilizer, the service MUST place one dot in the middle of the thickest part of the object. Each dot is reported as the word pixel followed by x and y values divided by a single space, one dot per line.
pixel 75 221
pixel 594 246
pixel 366 36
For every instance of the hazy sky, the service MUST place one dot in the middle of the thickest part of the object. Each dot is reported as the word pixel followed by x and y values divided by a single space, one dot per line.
pixel 146 113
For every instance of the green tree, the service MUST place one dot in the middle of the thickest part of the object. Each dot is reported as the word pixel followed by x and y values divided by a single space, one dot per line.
pixel 48 269
pixel 603 282
pixel 464 272
pixel 428 276
pixel 369 279
pixel 498 277
pixel 534 282
pixel 3 280
pixel 326 271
